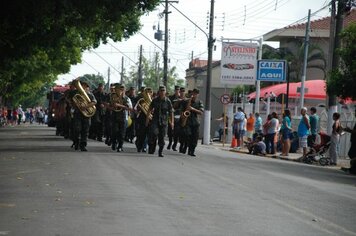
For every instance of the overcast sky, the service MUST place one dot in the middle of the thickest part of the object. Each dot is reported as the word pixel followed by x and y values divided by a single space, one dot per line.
pixel 236 19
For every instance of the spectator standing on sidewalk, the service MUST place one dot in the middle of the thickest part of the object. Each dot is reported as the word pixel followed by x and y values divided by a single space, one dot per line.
pixel 258 126
pixel 40 116
pixel 314 127
pixel 222 125
pixel 352 150
pixel 20 114
pixel 250 127
pixel 335 139
pixel 15 116
pixel 238 126
pixel 271 129
pixel 277 128
pixel 286 131
pixel 303 130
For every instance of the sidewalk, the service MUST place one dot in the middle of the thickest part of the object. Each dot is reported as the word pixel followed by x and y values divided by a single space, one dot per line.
pixel 342 162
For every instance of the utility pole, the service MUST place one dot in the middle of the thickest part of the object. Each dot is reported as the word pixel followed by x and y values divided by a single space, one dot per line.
pixel 335 29
pixel 306 48
pixel 157 70
pixel 165 54
pixel 258 83
pixel 139 81
pixel 122 71
pixel 207 111
pixel 109 79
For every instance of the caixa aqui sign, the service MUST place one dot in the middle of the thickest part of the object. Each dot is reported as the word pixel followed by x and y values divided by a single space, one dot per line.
pixel 271 70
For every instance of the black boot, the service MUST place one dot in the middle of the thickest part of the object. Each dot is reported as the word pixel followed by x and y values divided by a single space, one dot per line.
pixel 82 147
pixel 160 151
pixel 113 146
pixel 151 149
pixel 76 144
pixel 184 150
pixel 191 152
pixel 169 145
pixel 174 147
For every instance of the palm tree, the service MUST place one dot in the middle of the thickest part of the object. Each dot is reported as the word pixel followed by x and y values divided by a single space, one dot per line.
pixel 316 59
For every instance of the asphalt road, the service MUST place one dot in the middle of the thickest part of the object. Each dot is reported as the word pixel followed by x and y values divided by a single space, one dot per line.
pixel 46 188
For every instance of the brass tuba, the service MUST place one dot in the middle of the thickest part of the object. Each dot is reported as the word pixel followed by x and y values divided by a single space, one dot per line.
pixel 145 102
pixel 185 114
pixel 81 100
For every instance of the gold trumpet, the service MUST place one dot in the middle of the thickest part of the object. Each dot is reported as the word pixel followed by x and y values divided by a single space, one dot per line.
pixel 81 100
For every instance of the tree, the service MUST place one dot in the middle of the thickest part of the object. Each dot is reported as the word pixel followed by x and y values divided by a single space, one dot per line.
pixel 153 74
pixel 41 39
pixel 316 59
pixel 92 80
pixel 342 82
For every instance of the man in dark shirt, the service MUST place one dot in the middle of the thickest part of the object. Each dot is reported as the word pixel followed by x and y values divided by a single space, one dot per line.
pixel 162 112
pixel 81 123
pixel 172 137
pixel 120 107
pixel 98 118
pixel 143 101
pixel 191 129
pixel 314 126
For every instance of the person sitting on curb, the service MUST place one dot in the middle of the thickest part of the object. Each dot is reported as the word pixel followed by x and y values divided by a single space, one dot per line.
pixel 258 147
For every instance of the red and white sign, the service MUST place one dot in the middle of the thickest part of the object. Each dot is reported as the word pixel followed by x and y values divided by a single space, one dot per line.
pixel 238 63
pixel 225 99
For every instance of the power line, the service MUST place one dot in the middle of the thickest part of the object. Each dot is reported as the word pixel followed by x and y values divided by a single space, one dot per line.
pixel 105 61
pixel 122 53
pixel 90 66
pixel 151 41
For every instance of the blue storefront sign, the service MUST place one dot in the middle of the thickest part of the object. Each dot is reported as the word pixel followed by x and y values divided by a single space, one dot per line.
pixel 271 70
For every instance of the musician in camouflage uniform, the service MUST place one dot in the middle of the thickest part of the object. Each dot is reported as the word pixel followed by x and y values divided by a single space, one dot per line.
pixel 171 137
pixel 107 116
pixel 162 110
pixel 141 128
pixel 191 129
pixel 98 118
pixel 81 123
pixel 119 118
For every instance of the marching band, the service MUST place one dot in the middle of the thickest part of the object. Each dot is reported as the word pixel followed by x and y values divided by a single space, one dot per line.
pixel 121 115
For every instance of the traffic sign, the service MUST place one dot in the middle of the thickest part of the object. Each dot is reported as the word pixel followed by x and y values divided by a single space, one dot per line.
pixel 225 99
pixel 271 70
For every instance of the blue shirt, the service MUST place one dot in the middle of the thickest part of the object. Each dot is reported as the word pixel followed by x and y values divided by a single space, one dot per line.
pixel 258 124
pixel 314 123
pixel 302 127
pixel 239 120
pixel 286 123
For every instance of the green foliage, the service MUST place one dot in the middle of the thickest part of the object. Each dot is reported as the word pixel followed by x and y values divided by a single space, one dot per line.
pixel 152 75
pixel 41 39
pixel 316 59
pixel 342 81
pixel 92 80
